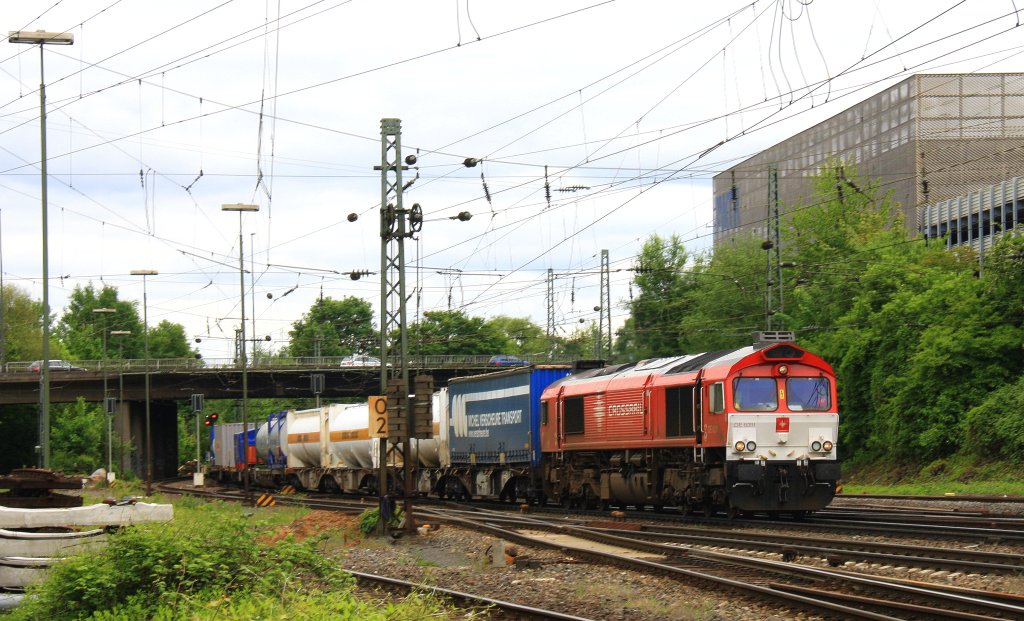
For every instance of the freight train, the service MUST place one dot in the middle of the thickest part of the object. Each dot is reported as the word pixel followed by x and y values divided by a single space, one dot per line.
pixel 745 430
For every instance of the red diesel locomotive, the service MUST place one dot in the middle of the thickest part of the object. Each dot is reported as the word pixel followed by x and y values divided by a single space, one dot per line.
pixel 746 430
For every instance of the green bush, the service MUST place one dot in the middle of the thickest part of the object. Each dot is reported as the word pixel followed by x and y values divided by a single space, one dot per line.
pixel 370 519
pixel 212 562
pixel 995 428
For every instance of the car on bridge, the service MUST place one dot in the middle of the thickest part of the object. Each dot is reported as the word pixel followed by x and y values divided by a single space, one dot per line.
pixel 55 365
pixel 360 360
pixel 506 360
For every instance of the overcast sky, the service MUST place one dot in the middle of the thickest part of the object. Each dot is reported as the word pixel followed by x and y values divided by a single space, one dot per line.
pixel 278 103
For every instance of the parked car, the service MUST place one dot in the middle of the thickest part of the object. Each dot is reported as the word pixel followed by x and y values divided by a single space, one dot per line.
pixel 55 365
pixel 506 360
pixel 360 360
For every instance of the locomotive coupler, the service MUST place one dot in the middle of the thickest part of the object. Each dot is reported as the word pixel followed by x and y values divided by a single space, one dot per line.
pixel 783 484
pixel 808 476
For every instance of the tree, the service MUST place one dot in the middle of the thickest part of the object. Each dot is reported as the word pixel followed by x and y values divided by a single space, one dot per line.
pixel 658 310
pixel 22 332
pixel 726 299
pixel 455 333
pixel 80 329
pixel 335 328
pixel 168 340
pixel 525 338
pixel 78 433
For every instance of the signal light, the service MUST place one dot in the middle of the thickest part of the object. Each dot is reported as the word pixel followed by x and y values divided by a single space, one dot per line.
pixel 211 419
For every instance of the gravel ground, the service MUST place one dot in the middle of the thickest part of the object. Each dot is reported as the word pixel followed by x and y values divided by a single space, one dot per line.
pixel 458 559
pixel 462 560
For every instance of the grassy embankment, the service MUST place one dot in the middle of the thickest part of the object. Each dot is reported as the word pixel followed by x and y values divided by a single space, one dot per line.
pixel 956 476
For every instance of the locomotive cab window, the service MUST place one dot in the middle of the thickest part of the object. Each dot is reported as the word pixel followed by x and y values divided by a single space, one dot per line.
pixel 755 394
pixel 716 398
pixel 808 393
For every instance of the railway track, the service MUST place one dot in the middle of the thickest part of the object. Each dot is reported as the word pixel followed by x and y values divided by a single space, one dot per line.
pixel 832 592
pixel 505 610
pixel 721 558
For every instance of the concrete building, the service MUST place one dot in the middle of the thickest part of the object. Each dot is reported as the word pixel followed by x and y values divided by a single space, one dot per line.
pixel 928 139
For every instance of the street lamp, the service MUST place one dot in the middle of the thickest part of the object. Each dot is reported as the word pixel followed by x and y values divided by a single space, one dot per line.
pixel 110 414
pixel 103 365
pixel 42 38
pixel 145 340
pixel 241 208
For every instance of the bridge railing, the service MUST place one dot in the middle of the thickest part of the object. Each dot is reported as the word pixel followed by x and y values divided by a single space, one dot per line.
pixel 154 365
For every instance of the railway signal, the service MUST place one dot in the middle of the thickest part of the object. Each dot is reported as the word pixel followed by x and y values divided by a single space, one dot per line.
pixel 211 419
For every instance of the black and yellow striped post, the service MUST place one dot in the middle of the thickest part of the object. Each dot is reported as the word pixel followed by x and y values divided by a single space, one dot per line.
pixel 265 500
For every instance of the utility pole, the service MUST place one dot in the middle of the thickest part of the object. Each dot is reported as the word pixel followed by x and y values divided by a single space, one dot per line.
pixel 551 313
pixel 772 242
pixel 394 219
pixel 606 307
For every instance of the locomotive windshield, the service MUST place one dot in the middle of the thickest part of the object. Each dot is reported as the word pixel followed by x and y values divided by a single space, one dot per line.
pixel 808 393
pixel 754 394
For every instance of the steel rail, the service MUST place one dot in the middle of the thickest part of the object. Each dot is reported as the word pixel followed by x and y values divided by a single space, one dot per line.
pixel 522 612
pixel 833 549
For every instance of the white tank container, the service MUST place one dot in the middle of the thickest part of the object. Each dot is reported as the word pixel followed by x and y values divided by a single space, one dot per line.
pixel 350 443
pixel 307 436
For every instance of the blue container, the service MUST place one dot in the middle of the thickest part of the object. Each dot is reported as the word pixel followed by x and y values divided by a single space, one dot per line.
pixel 245 454
pixel 277 428
pixel 495 418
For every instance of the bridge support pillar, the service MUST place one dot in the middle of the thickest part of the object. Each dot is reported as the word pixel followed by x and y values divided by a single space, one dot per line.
pixel 131 426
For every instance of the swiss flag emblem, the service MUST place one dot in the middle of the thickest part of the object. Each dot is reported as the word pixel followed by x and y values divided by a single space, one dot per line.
pixel 782 424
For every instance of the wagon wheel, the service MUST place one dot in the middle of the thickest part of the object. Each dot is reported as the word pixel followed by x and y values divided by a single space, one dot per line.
pixel 708 508
pixel 733 512
pixel 685 508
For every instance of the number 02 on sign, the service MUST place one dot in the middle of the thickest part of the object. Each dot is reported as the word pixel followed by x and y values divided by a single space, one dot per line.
pixel 378 416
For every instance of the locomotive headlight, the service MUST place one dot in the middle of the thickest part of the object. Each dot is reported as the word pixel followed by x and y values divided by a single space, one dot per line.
pixel 816 445
pixel 827 445
pixel 751 445
pixel 740 446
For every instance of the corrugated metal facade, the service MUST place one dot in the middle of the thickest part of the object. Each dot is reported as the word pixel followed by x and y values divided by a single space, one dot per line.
pixel 978 219
pixel 958 132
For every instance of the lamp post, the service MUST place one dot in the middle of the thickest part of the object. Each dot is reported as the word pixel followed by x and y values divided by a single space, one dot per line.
pixel 145 341
pixel 103 365
pixel 42 38
pixel 110 414
pixel 242 208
